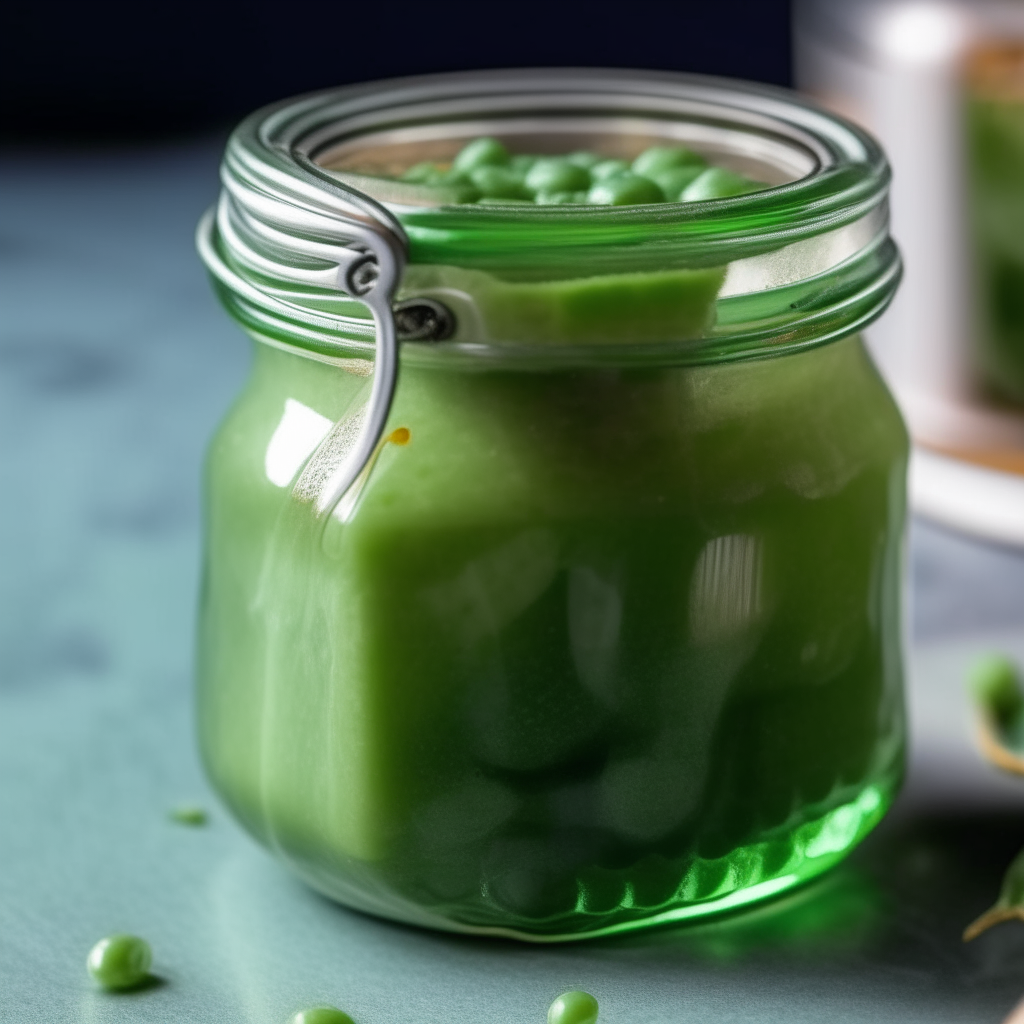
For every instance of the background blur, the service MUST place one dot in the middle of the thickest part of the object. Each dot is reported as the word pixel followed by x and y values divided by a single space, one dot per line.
pixel 103 71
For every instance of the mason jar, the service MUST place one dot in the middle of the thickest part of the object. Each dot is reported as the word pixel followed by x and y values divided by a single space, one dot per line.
pixel 553 554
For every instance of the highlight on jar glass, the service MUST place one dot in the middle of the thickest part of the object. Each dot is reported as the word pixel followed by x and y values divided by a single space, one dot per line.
pixel 553 548
pixel 941 82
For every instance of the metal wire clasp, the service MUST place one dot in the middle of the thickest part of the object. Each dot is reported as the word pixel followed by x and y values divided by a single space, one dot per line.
pixel 372 280
pixel 286 228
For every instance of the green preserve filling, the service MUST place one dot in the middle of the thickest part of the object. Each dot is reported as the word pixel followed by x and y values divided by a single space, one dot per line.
pixel 590 647
pixel 585 648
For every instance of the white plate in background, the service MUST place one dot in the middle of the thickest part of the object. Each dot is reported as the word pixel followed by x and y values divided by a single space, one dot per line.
pixel 984 502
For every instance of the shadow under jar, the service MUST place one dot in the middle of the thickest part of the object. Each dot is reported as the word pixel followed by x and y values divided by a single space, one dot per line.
pixel 602 628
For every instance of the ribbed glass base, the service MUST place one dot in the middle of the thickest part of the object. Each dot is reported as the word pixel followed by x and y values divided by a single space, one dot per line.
pixel 748 874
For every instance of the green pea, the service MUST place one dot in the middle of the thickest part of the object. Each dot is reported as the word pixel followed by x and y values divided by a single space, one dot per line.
pixel 625 189
pixel 584 158
pixel 498 183
pixel 457 182
pixel 522 162
pixel 718 183
pixel 573 1008
pixel 482 152
pixel 556 174
pixel 461 184
pixel 995 682
pixel 662 158
pixel 120 962
pixel 425 173
pixel 187 814
pixel 673 180
pixel 492 201
pixel 321 1015
pixel 606 168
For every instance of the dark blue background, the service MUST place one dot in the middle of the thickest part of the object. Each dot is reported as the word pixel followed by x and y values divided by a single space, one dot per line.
pixel 96 71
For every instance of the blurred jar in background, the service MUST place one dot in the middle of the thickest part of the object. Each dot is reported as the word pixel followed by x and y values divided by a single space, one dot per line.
pixel 994 80
pixel 941 83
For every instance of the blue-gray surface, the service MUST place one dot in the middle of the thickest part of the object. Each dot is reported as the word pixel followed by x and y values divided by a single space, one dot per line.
pixel 114 366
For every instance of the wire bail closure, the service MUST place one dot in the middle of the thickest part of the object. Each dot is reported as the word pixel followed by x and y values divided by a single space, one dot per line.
pixel 284 227
pixel 374 281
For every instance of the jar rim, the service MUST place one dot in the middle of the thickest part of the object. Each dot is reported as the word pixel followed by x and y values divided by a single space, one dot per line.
pixel 848 174
pixel 827 229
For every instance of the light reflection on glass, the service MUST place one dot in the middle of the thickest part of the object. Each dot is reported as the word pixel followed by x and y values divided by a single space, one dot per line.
pixel 725 590
pixel 301 429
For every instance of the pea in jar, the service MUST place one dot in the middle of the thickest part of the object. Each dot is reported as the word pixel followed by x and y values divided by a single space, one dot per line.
pixel 553 548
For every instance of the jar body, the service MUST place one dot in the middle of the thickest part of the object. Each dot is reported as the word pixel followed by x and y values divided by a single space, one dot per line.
pixel 595 649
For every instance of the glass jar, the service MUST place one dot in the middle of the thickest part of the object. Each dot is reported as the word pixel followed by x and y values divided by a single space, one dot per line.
pixel 593 621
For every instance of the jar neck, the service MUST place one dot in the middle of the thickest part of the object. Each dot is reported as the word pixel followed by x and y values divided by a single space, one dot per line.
pixel 799 263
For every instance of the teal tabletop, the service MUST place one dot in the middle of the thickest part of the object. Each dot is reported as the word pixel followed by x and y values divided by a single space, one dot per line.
pixel 115 364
